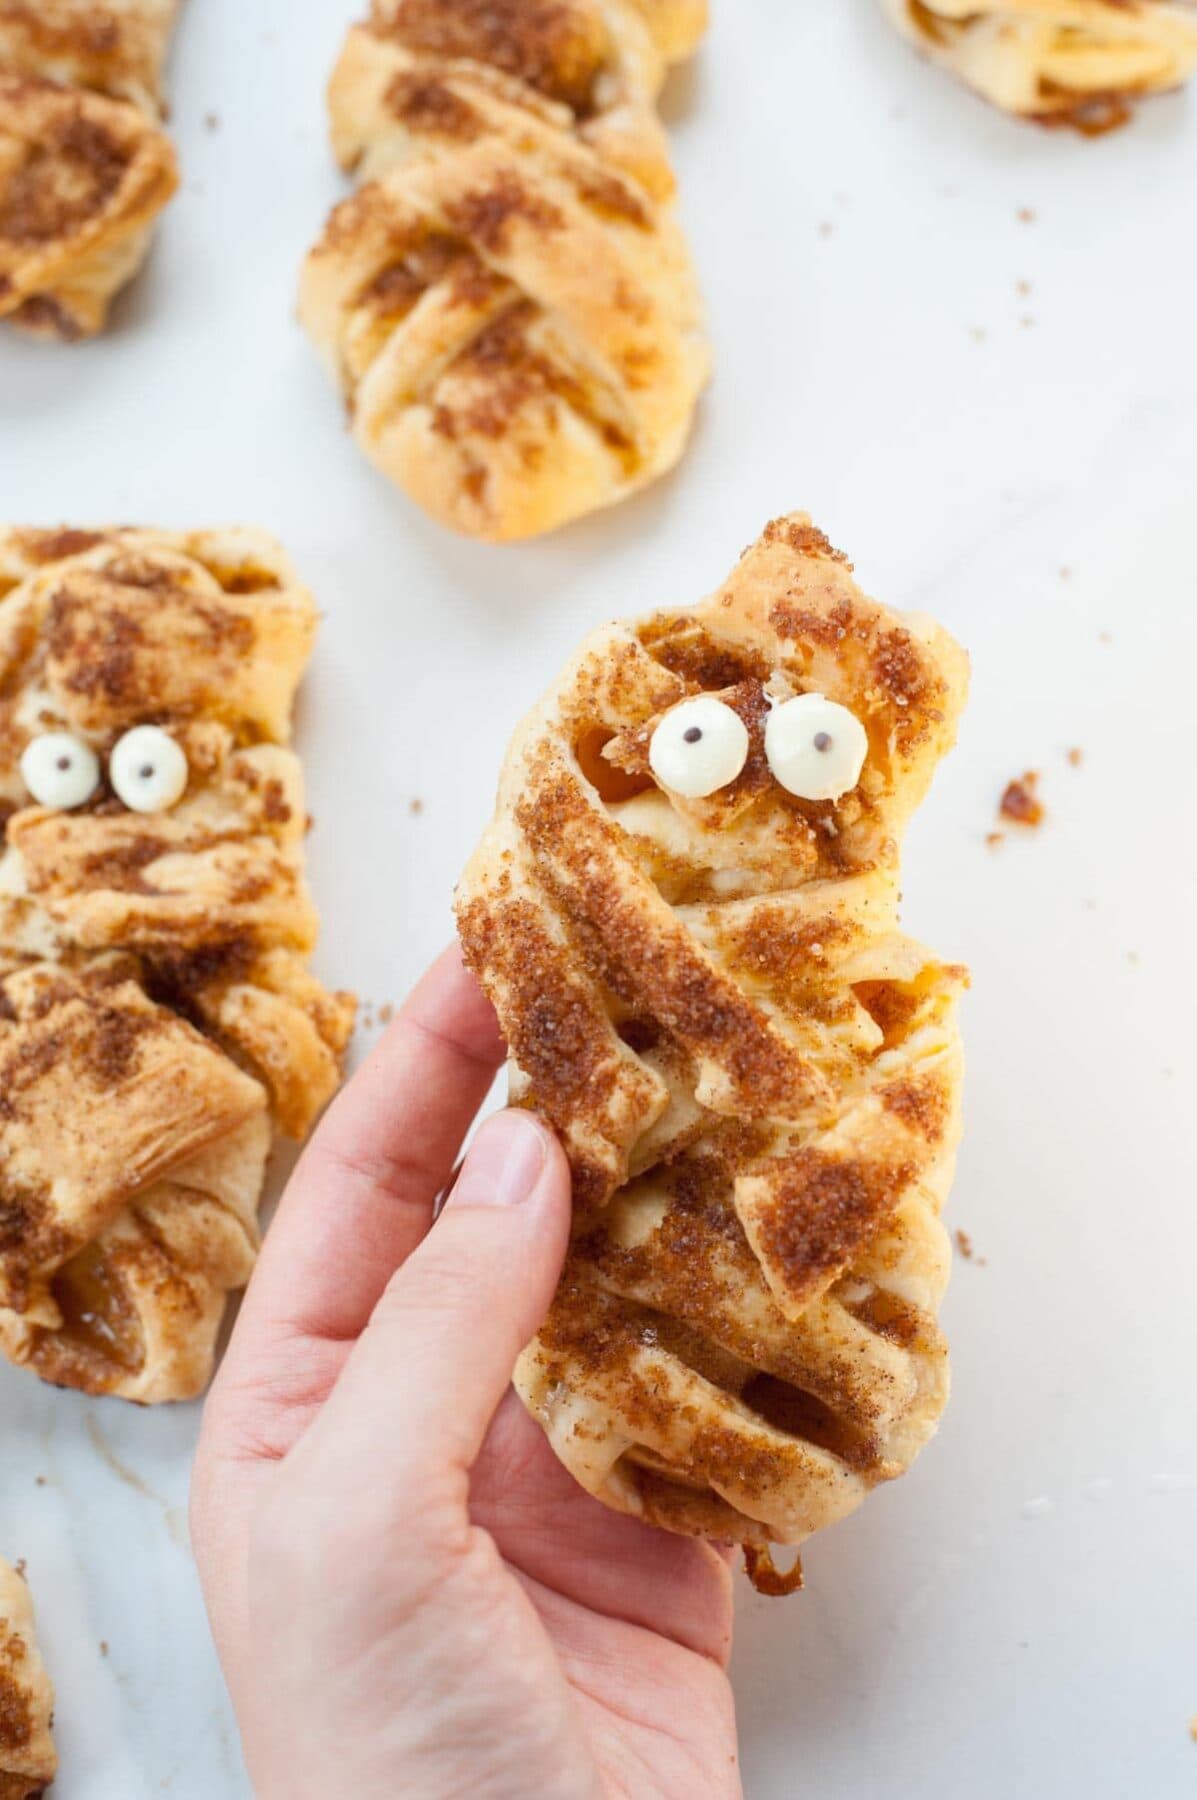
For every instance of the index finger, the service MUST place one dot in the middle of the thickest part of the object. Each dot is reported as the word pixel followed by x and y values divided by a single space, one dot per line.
pixel 363 1194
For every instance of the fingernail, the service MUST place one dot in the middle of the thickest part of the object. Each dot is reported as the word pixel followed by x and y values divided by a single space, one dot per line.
pixel 505 1162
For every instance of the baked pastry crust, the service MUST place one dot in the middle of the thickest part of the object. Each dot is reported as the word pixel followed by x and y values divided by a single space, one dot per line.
pixel 85 166
pixel 1062 62
pixel 157 1013
pixel 28 1763
pixel 508 302
pixel 755 1073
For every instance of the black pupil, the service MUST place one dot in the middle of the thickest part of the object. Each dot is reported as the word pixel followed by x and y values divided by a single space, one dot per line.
pixel 693 735
pixel 146 770
pixel 823 740
pixel 64 763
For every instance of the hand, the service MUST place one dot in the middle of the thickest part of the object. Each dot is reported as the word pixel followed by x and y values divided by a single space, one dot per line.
pixel 409 1594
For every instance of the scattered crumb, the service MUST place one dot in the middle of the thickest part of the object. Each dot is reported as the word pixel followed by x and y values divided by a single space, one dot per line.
pixel 212 121
pixel 416 808
pixel 104 1647
pixel 995 839
pixel 1027 215
pixel 386 1013
pixel 977 333
pixel 826 228
pixel 39 1480
pixel 1065 572
pixel 1076 757
pixel 964 1244
pixel 1024 288
pixel 1193 1728
pixel 19 1566
pixel 1021 803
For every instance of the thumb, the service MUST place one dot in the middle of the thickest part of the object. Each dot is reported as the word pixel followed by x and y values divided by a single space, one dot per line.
pixel 436 1358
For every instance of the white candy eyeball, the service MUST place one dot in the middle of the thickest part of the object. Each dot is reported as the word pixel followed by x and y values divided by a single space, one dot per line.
pixel 60 770
pixel 148 770
pixel 815 747
pixel 699 747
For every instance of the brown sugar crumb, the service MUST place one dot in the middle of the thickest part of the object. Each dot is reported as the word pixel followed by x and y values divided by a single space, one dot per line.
pixel 1024 288
pixel 211 121
pixel 386 1013
pixel 965 1245
pixel 1193 1728
pixel 1027 215
pixel 104 1647
pixel 1021 803
pixel 1076 757
pixel 415 808
pixel 995 839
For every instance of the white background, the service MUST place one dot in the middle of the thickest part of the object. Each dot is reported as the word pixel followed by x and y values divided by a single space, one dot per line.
pixel 1020 1615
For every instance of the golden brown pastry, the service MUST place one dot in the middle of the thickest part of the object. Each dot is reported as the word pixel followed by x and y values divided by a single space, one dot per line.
pixel 508 302
pixel 85 166
pixel 27 1761
pixel 1061 62
pixel 686 913
pixel 157 1013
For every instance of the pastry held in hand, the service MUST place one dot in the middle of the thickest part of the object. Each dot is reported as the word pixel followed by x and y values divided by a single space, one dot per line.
pixel 85 166
pixel 1061 62
pixel 755 1073
pixel 157 1013
pixel 508 302
pixel 27 1761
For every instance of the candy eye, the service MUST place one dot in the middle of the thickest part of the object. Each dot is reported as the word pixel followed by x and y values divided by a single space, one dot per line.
pixel 815 748
pixel 699 747
pixel 60 770
pixel 148 770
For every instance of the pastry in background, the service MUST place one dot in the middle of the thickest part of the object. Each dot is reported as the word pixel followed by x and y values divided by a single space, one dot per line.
pixel 1061 62
pixel 508 302
pixel 27 1761
pixel 158 1019
pixel 85 165
pixel 686 914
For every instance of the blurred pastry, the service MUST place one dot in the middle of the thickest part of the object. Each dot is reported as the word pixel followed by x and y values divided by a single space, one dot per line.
pixel 508 302
pixel 1062 62
pixel 686 914
pixel 85 165
pixel 157 1015
pixel 27 1761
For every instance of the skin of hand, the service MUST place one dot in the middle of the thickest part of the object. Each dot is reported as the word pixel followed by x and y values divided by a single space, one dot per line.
pixel 409 1594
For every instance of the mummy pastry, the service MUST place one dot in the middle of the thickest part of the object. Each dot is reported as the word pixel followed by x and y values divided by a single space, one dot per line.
pixel 157 1017
pixel 1062 62
pixel 85 166
pixel 27 1760
pixel 507 302
pixel 686 913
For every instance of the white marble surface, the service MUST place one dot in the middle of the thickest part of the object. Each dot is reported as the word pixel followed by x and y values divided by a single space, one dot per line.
pixel 1018 1616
